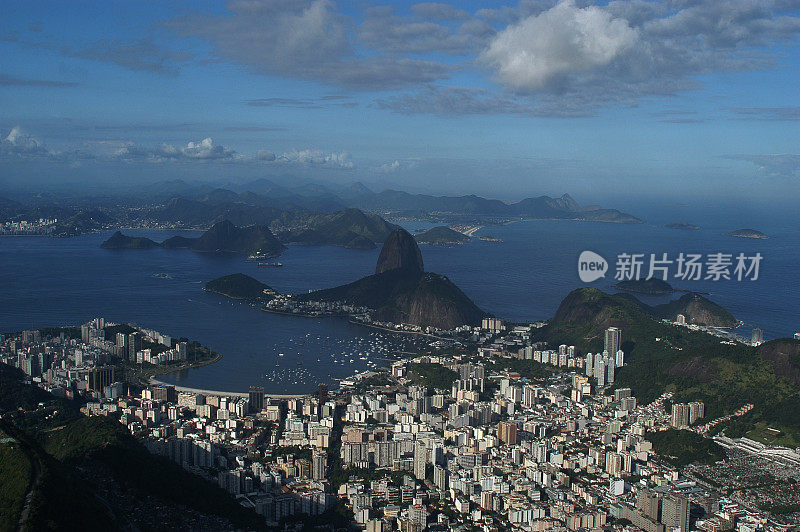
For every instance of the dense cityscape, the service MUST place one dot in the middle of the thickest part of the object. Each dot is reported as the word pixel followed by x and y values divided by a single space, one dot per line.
pixel 438 441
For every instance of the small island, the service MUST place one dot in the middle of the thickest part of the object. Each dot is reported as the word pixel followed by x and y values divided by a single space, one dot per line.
pixel 645 286
pixel 441 235
pixel 120 241
pixel 746 233
pixel 683 226
pixel 239 286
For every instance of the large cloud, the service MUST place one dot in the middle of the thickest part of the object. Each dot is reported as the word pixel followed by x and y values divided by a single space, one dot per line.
pixel 566 59
pixel 539 50
pixel 300 39
pixel 315 157
pixel 203 150
pixel 780 165
pixel 19 143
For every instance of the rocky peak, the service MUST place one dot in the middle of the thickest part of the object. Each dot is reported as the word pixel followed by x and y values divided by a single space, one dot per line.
pixel 400 252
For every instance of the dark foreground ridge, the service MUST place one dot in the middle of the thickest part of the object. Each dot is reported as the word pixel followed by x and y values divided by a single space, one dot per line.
pixel 402 292
pixel 90 473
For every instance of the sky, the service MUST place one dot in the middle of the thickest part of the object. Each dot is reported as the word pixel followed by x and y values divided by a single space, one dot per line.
pixel 688 98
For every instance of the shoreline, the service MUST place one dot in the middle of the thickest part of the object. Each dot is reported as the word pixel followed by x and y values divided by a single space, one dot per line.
pixel 222 393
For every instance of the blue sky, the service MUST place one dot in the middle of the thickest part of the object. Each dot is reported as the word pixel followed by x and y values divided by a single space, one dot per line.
pixel 685 97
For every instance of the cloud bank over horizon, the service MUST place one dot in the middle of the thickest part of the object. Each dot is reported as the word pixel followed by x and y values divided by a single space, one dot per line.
pixel 642 89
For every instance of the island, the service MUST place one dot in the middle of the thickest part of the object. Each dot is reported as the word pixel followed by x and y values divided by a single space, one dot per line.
pixel 746 233
pixel 441 235
pixel 682 226
pixel 239 286
pixel 645 286
pixel 120 241
pixel 223 236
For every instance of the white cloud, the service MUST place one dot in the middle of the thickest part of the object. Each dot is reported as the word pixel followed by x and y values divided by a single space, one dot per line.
pixel 388 168
pixel 307 40
pixel 265 155
pixel 203 150
pixel 539 50
pixel 777 165
pixel 206 149
pixel 314 157
pixel 20 143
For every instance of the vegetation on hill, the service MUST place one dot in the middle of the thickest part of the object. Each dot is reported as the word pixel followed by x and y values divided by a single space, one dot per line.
pixel 225 236
pixel 350 228
pixel 660 357
pixel 15 476
pixel 784 353
pixel 237 286
pixel 442 235
pixel 682 447
pixel 698 310
pixel 434 376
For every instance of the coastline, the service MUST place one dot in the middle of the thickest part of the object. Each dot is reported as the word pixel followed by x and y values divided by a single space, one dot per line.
pixel 221 393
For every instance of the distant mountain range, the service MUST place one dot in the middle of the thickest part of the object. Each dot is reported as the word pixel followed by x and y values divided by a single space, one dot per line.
pixel 294 211
pixel 263 202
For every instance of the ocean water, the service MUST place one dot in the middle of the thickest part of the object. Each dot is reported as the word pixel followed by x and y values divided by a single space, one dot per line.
pixel 46 282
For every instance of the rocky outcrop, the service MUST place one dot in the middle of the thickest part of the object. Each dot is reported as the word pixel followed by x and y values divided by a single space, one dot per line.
pixel 400 252
pixel 401 292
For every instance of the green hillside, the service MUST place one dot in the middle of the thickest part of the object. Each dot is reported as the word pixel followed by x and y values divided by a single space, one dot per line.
pixel 662 357
pixel 350 228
